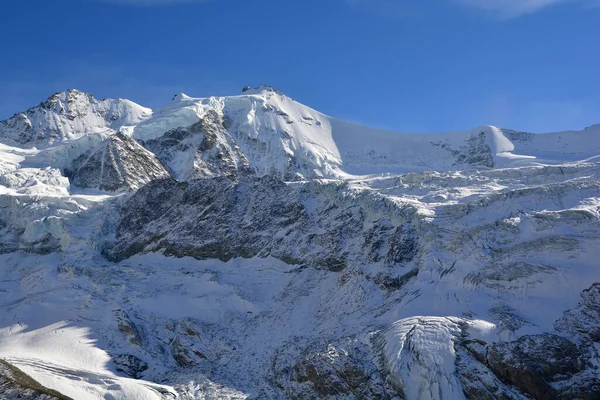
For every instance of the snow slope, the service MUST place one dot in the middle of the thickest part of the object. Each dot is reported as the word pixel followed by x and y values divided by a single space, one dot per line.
pixel 68 116
pixel 294 255
pixel 279 135
pixel 264 132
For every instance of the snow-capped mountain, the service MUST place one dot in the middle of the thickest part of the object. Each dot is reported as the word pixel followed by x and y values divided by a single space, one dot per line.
pixel 69 116
pixel 252 247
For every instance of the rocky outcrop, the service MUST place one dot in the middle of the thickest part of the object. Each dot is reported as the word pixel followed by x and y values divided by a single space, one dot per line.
pixel 118 164
pixel 475 152
pixel 583 322
pixel 315 224
pixel 533 362
pixel 69 115
pixel 337 373
pixel 544 366
pixel 204 149
pixel 14 384
pixel 130 365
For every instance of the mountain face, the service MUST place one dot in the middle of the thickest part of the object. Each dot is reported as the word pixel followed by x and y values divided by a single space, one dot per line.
pixel 67 116
pixel 249 247
pixel 117 164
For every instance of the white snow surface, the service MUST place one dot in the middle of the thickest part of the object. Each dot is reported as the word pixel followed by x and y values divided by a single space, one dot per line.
pixel 274 131
pixel 334 148
pixel 58 311
pixel 68 116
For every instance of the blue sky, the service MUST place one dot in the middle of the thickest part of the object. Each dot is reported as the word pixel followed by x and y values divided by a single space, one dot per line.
pixel 407 65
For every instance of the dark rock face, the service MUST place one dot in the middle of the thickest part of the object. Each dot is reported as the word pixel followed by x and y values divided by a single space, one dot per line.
pixel 532 363
pixel 334 373
pixel 518 136
pixel 21 124
pixel 14 384
pixel 477 380
pixel 339 371
pixel 204 149
pixel 314 224
pixel 67 115
pixel 584 321
pixel 544 366
pixel 130 365
pixel 118 164
pixel 474 152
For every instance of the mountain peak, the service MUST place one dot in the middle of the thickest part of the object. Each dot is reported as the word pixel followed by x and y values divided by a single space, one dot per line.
pixel 70 115
pixel 260 89
pixel 180 97
pixel 70 96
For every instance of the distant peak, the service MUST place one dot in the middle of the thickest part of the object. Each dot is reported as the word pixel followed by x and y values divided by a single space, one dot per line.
pixel 180 97
pixel 66 96
pixel 260 89
pixel 68 93
pixel 592 127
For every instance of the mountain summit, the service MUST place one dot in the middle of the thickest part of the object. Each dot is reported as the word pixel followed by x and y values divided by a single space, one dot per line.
pixel 250 247
pixel 264 132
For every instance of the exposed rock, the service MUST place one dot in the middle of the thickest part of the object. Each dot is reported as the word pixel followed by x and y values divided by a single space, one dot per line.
pixel 130 365
pixel 518 136
pixel 341 371
pixel 475 151
pixel 128 328
pixel 319 225
pixel 532 363
pixel 204 149
pixel 477 381
pixel 584 321
pixel 14 384
pixel 185 355
pixel 118 164
pixel 69 115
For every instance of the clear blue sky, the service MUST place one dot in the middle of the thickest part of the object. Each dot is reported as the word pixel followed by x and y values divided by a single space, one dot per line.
pixel 407 65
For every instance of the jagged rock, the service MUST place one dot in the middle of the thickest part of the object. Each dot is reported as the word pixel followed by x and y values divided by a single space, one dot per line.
pixel 118 164
pixel 390 283
pixel 185 354
pixel 533 362
pixel 341 370
pixel 69 115
pixel 518 136
pixel 334 374
pixel 311 224
pixel 584 321
pixel 475 151
pixel 130 365
pixel 477 381
pixel 204 149
pixel 14 384
pixel 501 245
pixel 128 328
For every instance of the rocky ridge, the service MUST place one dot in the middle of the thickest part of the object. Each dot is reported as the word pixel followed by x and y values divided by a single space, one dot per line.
pixel 222 247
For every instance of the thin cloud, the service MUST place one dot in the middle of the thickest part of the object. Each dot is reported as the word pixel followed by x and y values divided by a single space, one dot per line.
pixel 503 9
pixel 151 2
pixel 517 8
pixel 512 8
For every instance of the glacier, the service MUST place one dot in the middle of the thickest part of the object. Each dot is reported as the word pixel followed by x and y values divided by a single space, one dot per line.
pixel 250 247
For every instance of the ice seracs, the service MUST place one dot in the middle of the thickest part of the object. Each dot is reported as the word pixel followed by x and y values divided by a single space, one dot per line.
pixel 250 247
pixel 265 132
